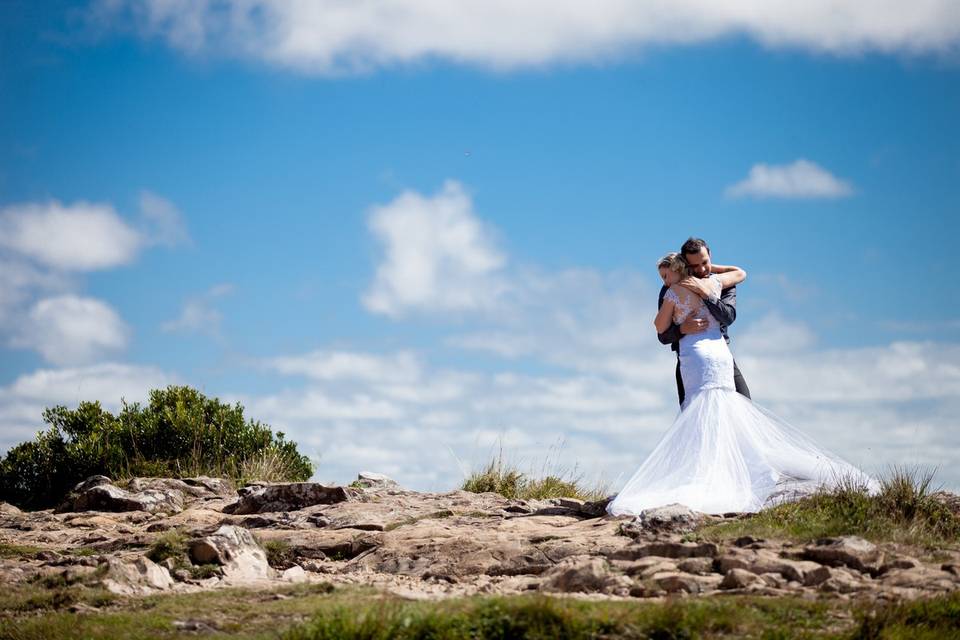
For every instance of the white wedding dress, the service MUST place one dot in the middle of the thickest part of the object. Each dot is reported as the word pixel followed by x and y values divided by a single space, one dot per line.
pixel 724 453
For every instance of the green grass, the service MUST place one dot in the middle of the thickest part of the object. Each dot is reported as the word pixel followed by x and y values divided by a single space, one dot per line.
pixel 170 544
pixel 932 619
pixel 82 552
pixel 237 613
pixel 318 612
pixel 540 617
pixel 506 479
pixel 279 553
pixel 904 511
pixel 53 591
pixel 18 550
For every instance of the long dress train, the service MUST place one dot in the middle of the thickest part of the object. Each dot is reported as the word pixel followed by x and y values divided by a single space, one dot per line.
pixel 723 452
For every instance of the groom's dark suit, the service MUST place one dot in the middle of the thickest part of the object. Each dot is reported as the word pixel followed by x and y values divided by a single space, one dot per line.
pixel 725 311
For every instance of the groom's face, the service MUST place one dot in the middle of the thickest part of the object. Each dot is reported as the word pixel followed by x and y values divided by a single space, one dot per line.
pixel 699 262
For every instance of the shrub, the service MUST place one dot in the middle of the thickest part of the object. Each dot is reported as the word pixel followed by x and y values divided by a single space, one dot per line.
pixel 179 433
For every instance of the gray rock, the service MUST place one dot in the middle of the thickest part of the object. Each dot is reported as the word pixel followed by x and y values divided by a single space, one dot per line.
pixel 817 576
pixel 667 550
pixel 760 561
pixel 672 517
pixel 900 562
pixel 850 551
pixel 645 566
pixel 140 577
pixel 842 581
pixel 290 496
pixel 371 480
pixel 596 508
pixel 8 509
pixel 920 578
pixel 294 574
pixel 699 566
pixel 739 579
pixel 98 493
pixel 582 574
pixel 200 488
pixel 674 582
pixel 235 549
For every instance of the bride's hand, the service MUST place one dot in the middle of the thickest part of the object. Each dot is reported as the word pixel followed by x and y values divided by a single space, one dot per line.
pixel 696 285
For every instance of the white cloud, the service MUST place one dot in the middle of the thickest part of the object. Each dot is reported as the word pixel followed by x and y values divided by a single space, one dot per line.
pixel 437 255
pixel 199 315
pixel 69 330
pixel 897 372
pixel 328 36
pixel 23 401
pixel 21 281
pixel 44 245
pixel 774 334
pixel 163 222
pixel 85 236
pixel 78 237
pixel 801 179
pixel 345 365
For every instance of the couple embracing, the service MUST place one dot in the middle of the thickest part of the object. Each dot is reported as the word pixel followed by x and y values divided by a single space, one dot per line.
pixel 723 453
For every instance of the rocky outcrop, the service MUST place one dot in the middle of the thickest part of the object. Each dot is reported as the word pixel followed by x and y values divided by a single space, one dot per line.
pixel 100 494
pixel 235 550
pixel 431 545
pixel 292 496
pixel 372 480
pixel 138 577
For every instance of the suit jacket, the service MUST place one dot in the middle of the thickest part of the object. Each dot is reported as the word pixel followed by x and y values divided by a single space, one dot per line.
pixel 724 310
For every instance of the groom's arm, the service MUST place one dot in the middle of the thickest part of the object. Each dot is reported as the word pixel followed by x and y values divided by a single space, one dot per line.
pixel 724 308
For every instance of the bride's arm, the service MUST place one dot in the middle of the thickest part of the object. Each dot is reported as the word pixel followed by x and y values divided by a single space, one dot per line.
pixel 721 268
pixel 735 276
pixel 664 317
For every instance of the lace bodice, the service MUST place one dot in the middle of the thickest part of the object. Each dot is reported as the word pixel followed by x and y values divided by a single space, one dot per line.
pixel 686 302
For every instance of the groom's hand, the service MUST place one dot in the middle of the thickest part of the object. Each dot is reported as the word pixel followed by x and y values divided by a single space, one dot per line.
pixel 693 325
pixel 696 285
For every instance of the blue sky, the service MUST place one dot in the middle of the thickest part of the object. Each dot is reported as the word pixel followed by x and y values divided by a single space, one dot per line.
pixel 222 192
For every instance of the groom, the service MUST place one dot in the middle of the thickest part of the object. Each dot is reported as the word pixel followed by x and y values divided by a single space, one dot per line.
pixel 696 253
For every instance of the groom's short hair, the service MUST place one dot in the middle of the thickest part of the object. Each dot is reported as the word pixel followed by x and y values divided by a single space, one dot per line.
pixel 693 245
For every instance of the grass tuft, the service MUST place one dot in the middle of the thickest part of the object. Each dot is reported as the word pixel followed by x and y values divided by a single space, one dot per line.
pixel 280 554
pixel 171 544
pixel 552 481
pixel 903 511
pixel 930 619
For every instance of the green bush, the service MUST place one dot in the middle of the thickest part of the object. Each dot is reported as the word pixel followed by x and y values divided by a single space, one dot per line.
pixel 179 433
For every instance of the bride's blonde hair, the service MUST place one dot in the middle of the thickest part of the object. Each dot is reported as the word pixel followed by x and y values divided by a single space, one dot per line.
pixel 674 262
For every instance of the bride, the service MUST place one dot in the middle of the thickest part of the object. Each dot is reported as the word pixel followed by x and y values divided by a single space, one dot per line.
pixel 723 453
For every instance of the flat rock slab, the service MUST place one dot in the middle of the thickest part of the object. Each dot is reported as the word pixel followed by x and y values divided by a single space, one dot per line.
pixel 288 496
pixel 100 494
pixel 850 551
